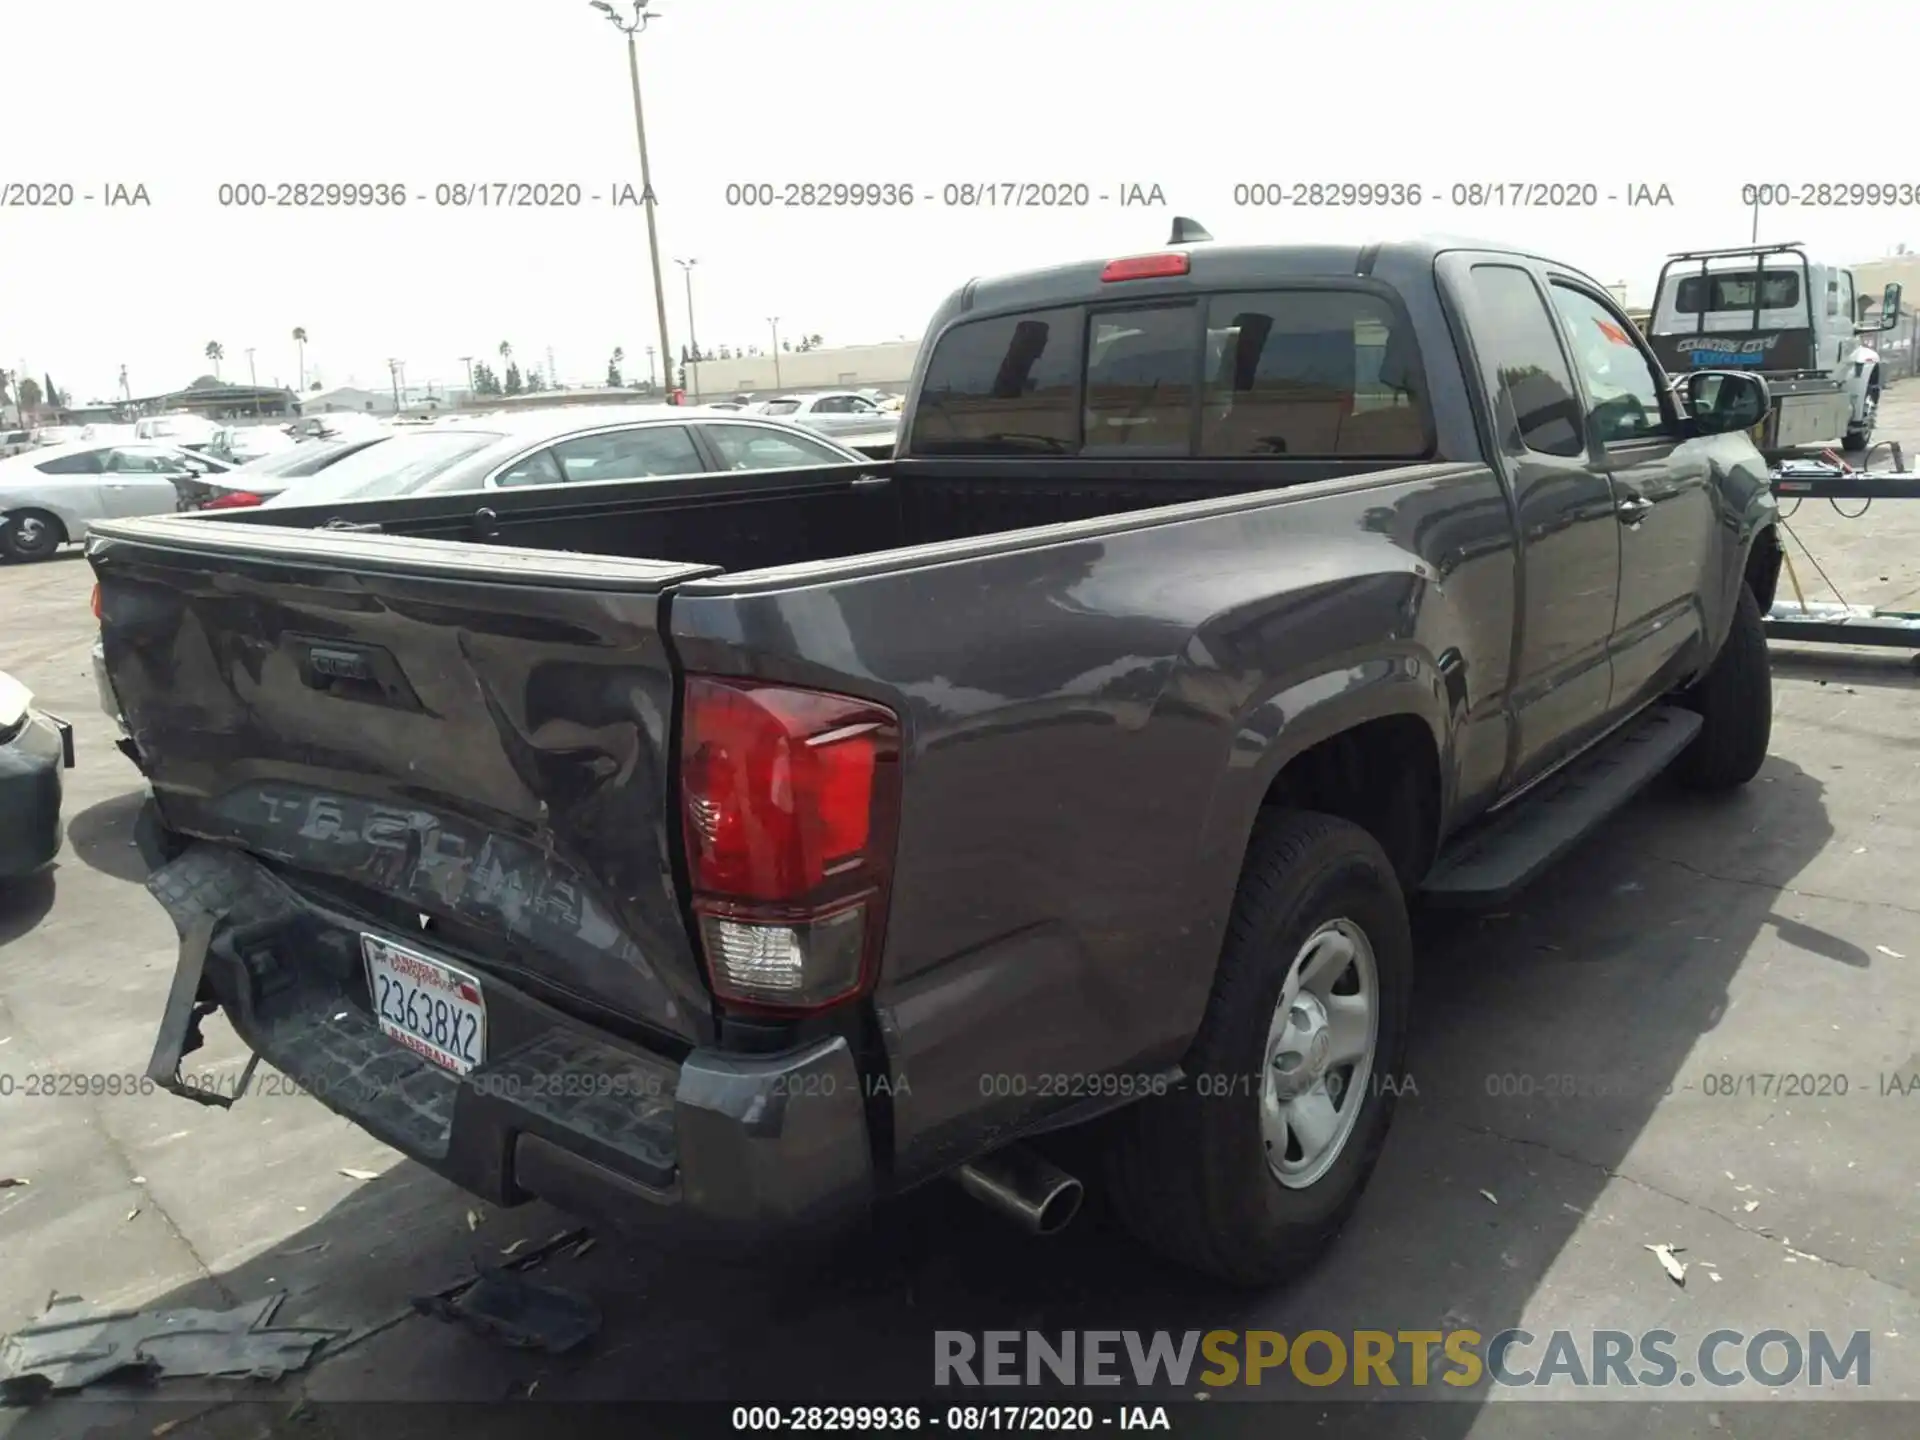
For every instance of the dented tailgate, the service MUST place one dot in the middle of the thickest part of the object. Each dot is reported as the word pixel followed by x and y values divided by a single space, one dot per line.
pixel 472 733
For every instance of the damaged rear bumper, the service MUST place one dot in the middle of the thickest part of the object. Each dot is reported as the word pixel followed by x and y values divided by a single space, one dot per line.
pixel 559 1110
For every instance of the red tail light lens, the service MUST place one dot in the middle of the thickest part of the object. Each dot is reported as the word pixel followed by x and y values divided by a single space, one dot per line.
pixel 232 500
pixel 789 804
pixel 96 602
pixel 1146 267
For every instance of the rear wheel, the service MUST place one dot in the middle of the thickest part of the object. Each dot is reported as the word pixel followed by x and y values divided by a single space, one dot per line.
pixel 1250 1169
pixel 1734 700
pixel 31 535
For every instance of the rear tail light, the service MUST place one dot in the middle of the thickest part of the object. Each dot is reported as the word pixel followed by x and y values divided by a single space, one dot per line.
pixel 231 500
pixel 789 804
pixel 1146 267
pixel 96 601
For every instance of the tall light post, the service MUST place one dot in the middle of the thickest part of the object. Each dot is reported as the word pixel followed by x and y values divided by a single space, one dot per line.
pixel 467 360
pixel 641 15
pixel 650 379
pixel 774 321
pixel 693 339
pixel 393 373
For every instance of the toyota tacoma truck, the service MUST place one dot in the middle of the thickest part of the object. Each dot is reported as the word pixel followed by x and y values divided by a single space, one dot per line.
pixel 736 852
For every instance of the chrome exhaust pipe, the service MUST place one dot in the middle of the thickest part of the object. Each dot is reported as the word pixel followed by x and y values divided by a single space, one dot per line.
pixel 1032 1192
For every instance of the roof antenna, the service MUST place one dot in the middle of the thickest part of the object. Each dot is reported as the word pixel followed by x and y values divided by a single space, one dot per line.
pixel 1186 232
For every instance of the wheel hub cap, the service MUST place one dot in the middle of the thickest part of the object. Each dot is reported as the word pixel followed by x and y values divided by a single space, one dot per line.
pixel 1319 1053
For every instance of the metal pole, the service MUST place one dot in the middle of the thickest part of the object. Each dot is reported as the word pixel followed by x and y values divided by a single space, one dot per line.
pixel 774 321
pixel 253 375
pixel 1754 239
pixel 393 373
pixel 646 196
pixel 693 337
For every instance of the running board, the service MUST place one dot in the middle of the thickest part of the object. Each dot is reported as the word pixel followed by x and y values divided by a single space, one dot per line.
pixel 1496 858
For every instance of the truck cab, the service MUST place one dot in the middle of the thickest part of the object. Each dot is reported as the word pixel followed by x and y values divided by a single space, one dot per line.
pixel 1799 322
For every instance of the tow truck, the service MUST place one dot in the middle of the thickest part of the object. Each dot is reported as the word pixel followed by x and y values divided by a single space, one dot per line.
pixel 1796 322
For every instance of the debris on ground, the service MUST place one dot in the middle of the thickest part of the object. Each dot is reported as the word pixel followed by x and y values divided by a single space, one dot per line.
pixel 74 1344
pixel 353 1174
pixel 1666 1255
pixel 8 1182
pixel 1894 953
pixel 506 1306
pixel 1490 1197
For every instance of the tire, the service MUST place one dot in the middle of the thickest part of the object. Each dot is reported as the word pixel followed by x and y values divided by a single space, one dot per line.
pixel 1734 700
pixel 31 535
pixel 1856 439
pixel 1189 1171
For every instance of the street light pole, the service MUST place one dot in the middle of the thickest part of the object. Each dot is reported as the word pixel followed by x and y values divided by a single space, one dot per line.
pixel 774 321
pixel 693 338
pixel 641 15
pixel 393 373
pixel 467 360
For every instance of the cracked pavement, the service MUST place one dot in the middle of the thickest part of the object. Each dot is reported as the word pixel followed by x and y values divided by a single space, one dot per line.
pixel 1695 1032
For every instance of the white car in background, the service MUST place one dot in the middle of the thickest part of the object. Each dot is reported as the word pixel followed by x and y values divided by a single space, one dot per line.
pixel 50 496
pixel 832 412
pixel 182 428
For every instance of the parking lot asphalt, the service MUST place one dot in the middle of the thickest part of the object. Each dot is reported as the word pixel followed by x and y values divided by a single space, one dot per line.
pixel 1589 1077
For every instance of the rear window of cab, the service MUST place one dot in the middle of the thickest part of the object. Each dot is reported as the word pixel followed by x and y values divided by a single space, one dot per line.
pixel 1309 373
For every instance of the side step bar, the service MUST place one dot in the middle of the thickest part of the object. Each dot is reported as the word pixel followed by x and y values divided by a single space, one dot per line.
pixel 1494 860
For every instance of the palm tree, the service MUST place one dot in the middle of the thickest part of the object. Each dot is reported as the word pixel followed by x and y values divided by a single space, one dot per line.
pixel 300 339
pixel 216 353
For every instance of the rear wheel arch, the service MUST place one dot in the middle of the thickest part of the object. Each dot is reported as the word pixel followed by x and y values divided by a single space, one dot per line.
pixel 1382 774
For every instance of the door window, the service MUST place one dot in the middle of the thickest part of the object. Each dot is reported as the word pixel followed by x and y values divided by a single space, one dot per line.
pixel 1623 388
pixel 539 468
pixel 87 462
pixel 1537 402
pixel 750 447
pixel 629 454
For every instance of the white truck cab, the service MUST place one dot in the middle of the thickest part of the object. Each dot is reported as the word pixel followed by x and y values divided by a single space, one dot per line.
pixel 1797 322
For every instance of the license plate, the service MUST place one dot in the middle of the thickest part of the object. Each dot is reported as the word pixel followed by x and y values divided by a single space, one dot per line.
pixel 426 1004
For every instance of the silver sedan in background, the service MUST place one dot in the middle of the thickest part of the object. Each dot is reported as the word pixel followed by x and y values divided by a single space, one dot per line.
pixel 50 496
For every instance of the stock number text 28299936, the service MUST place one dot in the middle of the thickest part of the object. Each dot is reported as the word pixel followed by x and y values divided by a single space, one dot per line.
pixel 983 194
pixel 1460 194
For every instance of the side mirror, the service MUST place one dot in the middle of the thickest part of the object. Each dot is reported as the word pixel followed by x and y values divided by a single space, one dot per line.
pixel 1890 306
pixel 1720 402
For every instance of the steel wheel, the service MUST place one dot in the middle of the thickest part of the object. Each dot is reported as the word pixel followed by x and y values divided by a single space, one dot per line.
pixel 1319 1053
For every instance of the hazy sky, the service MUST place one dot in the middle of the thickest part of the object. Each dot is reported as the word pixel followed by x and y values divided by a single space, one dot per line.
pixel 1194 98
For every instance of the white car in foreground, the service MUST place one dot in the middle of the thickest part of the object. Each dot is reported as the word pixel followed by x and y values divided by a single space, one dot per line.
pixel 50 496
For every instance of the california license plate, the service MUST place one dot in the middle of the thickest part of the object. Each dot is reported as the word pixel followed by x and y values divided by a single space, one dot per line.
pixel 426 1004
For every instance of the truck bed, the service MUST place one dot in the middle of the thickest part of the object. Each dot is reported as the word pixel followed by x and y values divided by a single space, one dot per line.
pixel 786 517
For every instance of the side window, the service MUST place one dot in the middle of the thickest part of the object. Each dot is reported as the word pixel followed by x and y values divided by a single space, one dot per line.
pixel 1622 386
pixel 1140 374
pixel 1849 306
pixel 749 447
pixel 87 462
pixel 1005 386
pixel 1536 387
pixel 1833 296
pixel 629 454
pixel 139 462
pixel 832 405
pixel 539 468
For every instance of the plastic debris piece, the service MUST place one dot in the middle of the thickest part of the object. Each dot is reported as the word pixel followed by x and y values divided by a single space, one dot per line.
pixel 133 1213
pixel 1667 1256
pixel 1894 953
pixel 1751 1206
pixel 473 1219
pixel 1491 1199
pixel 506 1306
pixel 73 1345
pixel 515 1246
pixel 353 1174
pixel 9 1182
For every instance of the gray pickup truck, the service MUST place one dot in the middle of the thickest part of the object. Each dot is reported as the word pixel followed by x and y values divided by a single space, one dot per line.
pixel 739 851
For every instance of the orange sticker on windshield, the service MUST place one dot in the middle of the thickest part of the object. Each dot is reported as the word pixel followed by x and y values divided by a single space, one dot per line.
pixel 1613 332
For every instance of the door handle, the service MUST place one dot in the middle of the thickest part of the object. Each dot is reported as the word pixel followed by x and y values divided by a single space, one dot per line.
pixel 1633 509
